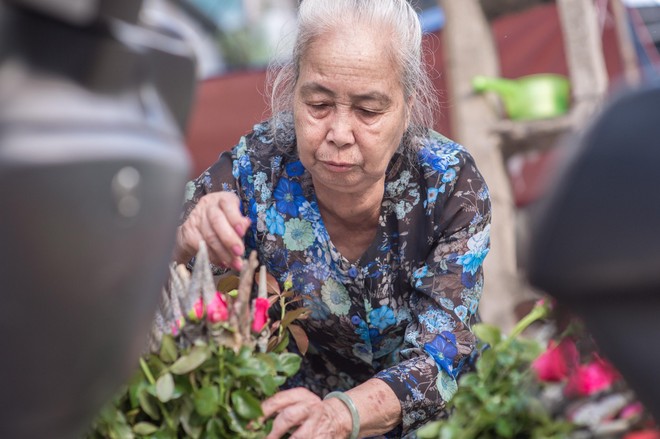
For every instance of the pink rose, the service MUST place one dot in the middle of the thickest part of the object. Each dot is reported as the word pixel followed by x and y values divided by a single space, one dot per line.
pixel 644 434
pixel 260 316
pixel 592 378
pixel 217 311
pixel 557 361
pixel 198 310
pixel 176 326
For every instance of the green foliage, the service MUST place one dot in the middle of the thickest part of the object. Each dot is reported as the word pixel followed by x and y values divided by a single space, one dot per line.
pixel 500 398
pixel 204 391
pixel 209 380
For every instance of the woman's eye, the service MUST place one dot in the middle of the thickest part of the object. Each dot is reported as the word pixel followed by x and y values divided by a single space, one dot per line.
pixel 368 114
pixel 318 108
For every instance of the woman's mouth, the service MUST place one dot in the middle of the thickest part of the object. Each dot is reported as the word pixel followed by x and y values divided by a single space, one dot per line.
pixel 337 166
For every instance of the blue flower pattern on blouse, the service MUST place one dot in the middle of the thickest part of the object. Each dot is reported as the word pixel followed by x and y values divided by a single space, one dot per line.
pixel 443 350
pixel 403 312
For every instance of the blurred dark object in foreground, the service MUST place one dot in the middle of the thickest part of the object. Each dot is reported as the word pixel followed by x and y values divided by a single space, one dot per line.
pixel 92 175
pixel 596 240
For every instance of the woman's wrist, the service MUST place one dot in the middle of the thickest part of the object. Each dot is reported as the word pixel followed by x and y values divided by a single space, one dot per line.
pixel 342 417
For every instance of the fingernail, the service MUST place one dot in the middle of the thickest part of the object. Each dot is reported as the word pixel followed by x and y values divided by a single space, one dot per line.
pixel 238 251
pixel 238 264
pixel 239 229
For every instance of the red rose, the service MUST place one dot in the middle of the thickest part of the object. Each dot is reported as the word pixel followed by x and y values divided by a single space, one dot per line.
pixel 198 311
pixel 557 361
pixel 260 316
pixel 644 434
pixel 217 311
pixel 592 378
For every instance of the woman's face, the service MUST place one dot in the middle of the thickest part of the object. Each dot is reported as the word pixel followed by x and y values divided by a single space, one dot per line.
pixel 349 110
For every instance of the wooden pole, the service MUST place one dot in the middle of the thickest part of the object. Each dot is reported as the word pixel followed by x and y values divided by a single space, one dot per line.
pixel 584 56
pixel 469 49
pixel 631 71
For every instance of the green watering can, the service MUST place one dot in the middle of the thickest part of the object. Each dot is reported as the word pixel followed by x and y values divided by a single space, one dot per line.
pixel 529 97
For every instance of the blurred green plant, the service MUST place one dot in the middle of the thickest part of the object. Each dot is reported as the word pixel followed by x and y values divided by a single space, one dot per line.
pixel 521 389
pixel 501 397
pixel 210 373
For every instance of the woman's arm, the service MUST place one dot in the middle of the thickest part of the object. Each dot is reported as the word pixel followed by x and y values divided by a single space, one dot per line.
pixel 378 406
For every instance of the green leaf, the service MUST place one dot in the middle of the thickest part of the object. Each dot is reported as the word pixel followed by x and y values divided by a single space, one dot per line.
pixel 190 362
pixel 234 423
pixel 267 384
pixel 123 431
pixel 147 404
pixel 488 333
pixel 206 401
pixel 430 430
pixel 168 351
pixel 144 428
pixel 504 428
pixel 187 408
pixel 486 363
pixel 246 405
pixel 135 389
pixel 268 361
pixel 288 363
pixel 253 367
pixel 280 346
pixel 165 387
pixel 531 349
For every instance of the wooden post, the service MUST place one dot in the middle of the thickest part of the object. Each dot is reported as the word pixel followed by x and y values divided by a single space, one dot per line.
pixel 469 49
pixel 631 71
pixel 584 56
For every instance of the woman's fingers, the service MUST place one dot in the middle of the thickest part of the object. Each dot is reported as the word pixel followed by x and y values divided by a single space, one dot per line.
pixel 187 242
pixel 304 415
pixel 292 408
pixel 227 227
pixel 285 398
pixel 288 418
pixel 231 206
pixel 216 233
pixel 218 221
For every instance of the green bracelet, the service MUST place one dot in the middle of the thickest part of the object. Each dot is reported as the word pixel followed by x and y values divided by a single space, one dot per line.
pixel 351 408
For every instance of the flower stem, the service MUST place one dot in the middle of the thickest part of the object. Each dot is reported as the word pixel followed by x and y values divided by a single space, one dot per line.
pixel 221 350
pixel 537 313
pixel 283 311
pixel 145 369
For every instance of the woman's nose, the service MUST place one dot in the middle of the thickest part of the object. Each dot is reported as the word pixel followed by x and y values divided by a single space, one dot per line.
pixel 340 132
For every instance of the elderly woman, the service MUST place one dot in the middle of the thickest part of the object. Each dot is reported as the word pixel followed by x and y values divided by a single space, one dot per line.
pixel 382 223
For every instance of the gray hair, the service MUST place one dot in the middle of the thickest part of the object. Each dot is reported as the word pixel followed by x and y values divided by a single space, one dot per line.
pixel 316 17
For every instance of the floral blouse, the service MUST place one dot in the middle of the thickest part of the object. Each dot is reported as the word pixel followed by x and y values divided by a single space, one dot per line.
pixel 402 313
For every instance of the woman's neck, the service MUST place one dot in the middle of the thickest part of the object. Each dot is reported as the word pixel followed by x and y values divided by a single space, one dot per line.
pixel 353 209
pixel 351 219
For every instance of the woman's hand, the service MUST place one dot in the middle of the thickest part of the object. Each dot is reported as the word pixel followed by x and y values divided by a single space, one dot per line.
pixel 217 220
pixel 314 418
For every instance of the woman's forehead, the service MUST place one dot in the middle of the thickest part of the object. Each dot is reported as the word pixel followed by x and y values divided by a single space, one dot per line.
pixel 353 55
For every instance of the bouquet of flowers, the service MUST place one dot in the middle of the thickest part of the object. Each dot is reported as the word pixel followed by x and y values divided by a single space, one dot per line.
pixel 520 390
pixel 208 368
